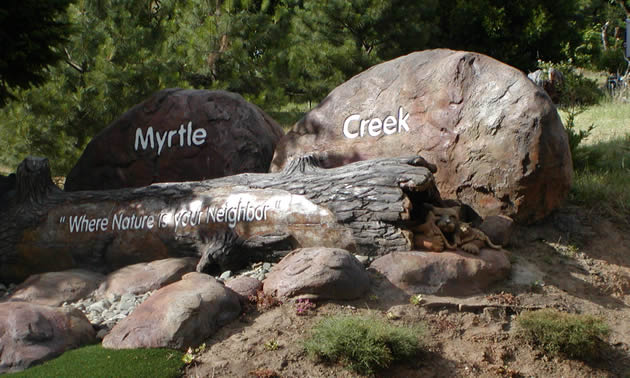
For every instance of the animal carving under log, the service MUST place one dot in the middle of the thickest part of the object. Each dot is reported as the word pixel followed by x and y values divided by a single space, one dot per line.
pixel 471 239
pixel 363 207
pixel 443 229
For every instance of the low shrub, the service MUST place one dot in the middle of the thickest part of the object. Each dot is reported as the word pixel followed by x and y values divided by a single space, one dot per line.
pixel 363 344
pixel 557 333
pixel 96 361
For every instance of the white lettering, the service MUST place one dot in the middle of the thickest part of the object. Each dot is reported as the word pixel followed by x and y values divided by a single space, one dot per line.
pixel 182 133
pixel 160 141
pixel 144 141
pixel 187 138
pixel 346 126
pixel 199 137
pixel 389 125
pixel 402 122
pixel 85 224
pixel 374 129
pixel 171 133
pixel 355 127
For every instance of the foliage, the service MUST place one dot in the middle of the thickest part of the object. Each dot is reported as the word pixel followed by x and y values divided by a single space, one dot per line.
pixel 515 32
pixel 264 301
pixel 579 155
pixel 416 299
pixel 303 306
pixel 576 90
pixel 273 52
pixel 192 355
pixel 364 344
pixel 110 363
pixel 576 93
pixel 271 345
pixel 604 169
pixel 576 336
pixel 31 34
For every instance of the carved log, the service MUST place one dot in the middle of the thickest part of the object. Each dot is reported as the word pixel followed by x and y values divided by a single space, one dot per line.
pixel 366 207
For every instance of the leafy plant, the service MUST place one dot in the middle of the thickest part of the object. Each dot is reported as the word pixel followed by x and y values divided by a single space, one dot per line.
pixel 363 344
pixel 575 336
pixel 192 355
pixel 303 306
pixel 271 345
pixel 416 300
pixel 576 90
pixel 264 301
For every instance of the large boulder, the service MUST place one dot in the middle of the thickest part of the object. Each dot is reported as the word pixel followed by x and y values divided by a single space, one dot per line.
pixel 54 288
pixel 453 273
pixel 178 135
pixel 319 273
pixel 496 138
pixel 178 316
pixel 142 277
pixel 32 333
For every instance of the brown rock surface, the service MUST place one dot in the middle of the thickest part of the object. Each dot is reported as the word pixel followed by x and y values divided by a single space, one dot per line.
pixel 499 229
pixel 179 315
pixel 32 333
pixel 322 273
pixel 244 286
pixel 197 134
pixel 495 136
pixel 54 288
pixel 143 277
pixel 446 273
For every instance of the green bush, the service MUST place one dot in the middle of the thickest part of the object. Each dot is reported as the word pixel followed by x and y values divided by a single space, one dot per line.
pixel 575 336
pixel 575 90
pixel 363 344
pixel 96 361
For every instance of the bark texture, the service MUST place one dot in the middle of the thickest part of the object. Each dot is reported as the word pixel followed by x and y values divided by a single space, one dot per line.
pixel 366 207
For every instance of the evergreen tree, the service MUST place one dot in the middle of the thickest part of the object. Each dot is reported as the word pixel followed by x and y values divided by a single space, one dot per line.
pixel 30 38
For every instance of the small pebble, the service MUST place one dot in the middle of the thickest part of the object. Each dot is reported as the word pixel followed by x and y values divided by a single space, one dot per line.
pixel 225 275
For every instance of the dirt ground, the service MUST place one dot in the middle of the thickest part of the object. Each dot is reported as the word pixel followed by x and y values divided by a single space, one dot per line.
pixel 575 261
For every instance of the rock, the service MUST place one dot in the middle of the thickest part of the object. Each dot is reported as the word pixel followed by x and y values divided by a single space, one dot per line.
pixel 244 286
pixel 143 277
pixel 178 135
pixel 495 137
pixel 54 288
pixel 225 275
pixel 499 229
pixel 179 315
pixel 106 312
pixel 364 260
pixel 318 273
pixel 33 333
pixel 446 273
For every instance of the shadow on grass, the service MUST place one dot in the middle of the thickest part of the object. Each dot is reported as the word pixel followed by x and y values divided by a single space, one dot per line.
pixel 602 177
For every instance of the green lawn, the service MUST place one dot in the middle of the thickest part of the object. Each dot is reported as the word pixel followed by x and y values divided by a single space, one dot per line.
pixel 602 175
pixel 95 361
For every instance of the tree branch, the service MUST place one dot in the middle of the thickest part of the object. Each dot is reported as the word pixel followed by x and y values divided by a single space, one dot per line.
pixel 71 63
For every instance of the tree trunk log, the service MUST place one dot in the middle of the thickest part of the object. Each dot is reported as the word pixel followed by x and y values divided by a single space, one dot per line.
pixel 366 207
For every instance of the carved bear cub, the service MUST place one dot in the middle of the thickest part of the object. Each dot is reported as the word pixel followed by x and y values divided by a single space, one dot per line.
pixel 443 229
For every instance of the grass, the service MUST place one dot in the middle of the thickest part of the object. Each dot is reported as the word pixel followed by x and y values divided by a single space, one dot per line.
pixel 556 333
pixel 96 361
pixel 602 162
pixel 363 344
